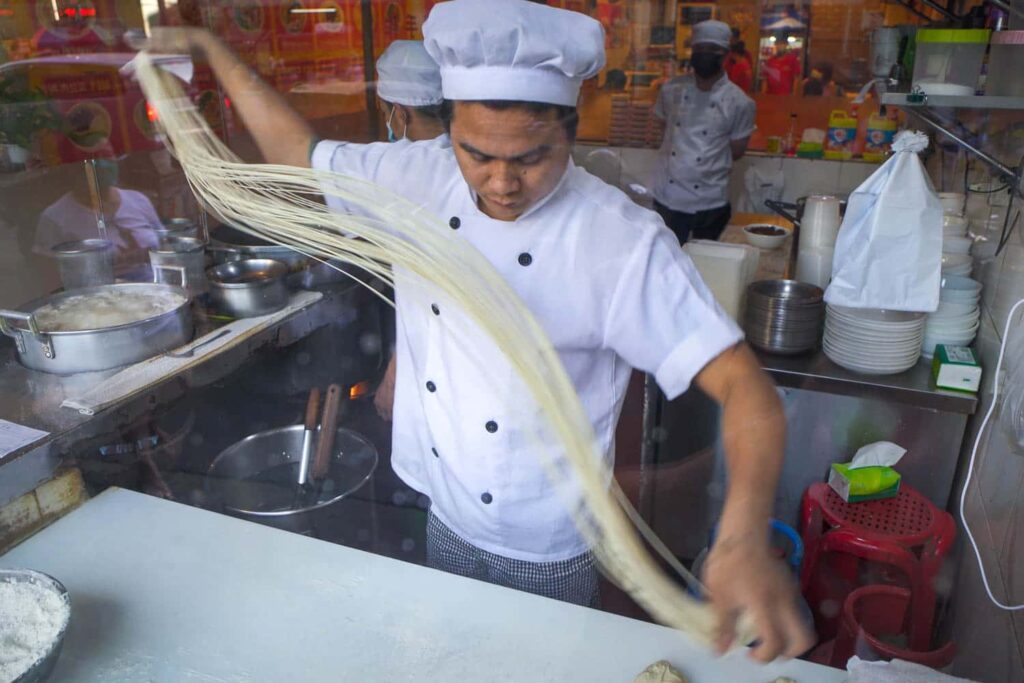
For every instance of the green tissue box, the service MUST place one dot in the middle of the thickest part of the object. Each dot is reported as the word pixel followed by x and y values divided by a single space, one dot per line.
pixel 956 368
pixel 863 483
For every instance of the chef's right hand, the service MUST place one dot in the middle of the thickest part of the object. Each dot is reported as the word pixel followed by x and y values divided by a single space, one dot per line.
pixel 384 399
pixel 171 39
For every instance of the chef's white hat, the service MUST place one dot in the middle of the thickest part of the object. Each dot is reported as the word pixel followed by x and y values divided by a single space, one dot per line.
pixel 513 50
pixel 407 75
pixel 713 32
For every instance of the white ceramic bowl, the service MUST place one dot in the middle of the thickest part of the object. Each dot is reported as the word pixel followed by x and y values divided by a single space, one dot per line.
pixel 953 284
pixel 953 203
pixel 954 225
pixel 766 241
pixel 952 309
pixel 957 245
pixel 964 270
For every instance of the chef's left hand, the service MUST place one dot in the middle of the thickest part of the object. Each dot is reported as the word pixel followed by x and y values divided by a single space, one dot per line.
pixel 744 577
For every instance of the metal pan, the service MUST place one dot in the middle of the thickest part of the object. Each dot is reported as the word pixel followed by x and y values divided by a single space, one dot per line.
pixel 249 287
pixel 69 352
pixel 256 478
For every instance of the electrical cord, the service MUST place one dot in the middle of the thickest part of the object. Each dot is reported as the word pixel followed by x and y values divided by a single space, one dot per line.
pixel 970 465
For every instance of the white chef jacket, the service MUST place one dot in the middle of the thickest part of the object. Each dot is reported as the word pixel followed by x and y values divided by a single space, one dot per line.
pixel 611 287
pixel 695 157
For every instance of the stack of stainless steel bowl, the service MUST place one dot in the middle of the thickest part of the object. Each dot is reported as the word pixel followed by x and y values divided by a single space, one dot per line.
pixel 784 316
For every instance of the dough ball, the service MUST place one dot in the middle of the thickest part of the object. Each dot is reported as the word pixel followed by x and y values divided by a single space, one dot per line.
pixel 661 672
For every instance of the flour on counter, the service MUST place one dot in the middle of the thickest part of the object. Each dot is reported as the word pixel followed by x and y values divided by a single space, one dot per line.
pixel 31 617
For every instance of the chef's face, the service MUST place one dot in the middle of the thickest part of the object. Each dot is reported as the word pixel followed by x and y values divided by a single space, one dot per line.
pixel 511 157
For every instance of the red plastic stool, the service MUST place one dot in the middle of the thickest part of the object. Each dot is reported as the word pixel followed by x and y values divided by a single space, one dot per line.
pixel 873 618
pixel 874 530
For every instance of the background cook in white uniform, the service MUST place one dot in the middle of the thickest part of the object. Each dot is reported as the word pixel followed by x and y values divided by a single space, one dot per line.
pixel 702 127
pixel 409 97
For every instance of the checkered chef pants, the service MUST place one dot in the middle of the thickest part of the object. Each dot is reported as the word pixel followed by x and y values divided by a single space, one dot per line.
pixel 573 580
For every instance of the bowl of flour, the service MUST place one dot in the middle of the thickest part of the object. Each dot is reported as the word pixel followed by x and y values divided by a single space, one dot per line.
pixel 34 614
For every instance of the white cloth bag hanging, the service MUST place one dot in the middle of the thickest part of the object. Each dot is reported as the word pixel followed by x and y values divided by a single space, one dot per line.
pixel 889 249
pixel 760 185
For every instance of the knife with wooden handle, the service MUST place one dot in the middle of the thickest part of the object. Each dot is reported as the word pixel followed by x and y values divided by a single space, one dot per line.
pixel 328 429
pixel 312 414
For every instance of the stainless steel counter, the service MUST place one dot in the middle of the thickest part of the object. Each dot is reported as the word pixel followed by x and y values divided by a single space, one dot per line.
pixel 33 399
pixel 830 414
pixel 815 372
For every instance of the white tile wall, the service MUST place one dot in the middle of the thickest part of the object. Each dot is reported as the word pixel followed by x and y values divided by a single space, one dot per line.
pixel 991 641
pixel 802 176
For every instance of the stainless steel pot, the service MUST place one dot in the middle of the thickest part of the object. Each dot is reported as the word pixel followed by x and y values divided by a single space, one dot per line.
pixel 256 478
pixel 182 252
pixel 85 263
pixel 69 352
pixel 175 228
pixel 230 244
pixel 248 288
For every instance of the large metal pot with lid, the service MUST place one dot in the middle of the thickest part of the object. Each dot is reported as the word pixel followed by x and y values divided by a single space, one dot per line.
pixel 54 334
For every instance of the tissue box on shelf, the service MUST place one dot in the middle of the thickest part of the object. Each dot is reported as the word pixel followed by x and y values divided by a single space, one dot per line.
pixel 955 367
pixel 869 476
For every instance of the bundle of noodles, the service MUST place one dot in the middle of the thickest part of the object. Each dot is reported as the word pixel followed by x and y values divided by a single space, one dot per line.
pixel 395 236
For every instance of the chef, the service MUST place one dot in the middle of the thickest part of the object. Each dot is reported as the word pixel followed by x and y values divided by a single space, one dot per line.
pixel 409 96
pixel 708 122
pixel 602 275
pixel 409 92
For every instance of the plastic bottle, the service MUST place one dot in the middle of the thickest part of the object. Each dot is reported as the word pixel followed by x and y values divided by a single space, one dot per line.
pixel 790 141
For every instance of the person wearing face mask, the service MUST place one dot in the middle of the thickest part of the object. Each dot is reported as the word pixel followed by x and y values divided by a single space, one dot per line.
pixel 708 122
pixel 409 97
pixel 129 216
pixel 409 92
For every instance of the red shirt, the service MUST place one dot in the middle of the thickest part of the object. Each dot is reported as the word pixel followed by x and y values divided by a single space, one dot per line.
pixel 780 73
pixel 740 71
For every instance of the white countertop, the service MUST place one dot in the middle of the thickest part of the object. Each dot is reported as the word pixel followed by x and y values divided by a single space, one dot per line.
pixel 163 592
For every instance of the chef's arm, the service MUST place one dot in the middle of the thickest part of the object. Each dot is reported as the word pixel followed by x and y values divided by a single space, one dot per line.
pixel 739 147
pixel 741 574
pixel 283 137
pixel 754 433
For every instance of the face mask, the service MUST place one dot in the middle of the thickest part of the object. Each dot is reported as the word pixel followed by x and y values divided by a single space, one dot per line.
pixel 706 64
pixel 391 131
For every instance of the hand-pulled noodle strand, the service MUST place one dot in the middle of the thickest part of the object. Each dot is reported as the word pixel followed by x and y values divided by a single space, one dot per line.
pixel 282 204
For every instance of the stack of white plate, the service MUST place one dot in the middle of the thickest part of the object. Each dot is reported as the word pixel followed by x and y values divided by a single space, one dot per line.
pixel 872 341
pixel 956 321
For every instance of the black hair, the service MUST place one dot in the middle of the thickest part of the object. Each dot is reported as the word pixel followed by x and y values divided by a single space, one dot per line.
pixel 568 116
pixel 430 111
pixel 826 71
pixel 739 47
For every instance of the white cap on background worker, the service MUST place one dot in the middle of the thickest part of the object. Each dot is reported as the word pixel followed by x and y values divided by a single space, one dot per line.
pixel 712 32
pixel 407 75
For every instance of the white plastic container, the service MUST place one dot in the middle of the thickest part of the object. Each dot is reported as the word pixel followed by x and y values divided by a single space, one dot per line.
pixel 727 269
pixel 1006 65
pixel 948 61
pixel 814 266
pixel 820 222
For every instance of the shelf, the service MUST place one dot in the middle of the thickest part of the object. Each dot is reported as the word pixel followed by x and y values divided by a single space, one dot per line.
pixel 900 99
